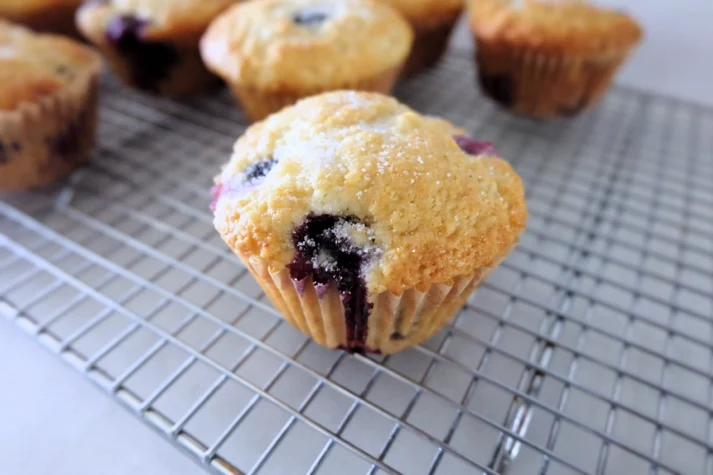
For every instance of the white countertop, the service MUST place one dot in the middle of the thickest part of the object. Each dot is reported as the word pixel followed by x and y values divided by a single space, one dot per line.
pixel 52 421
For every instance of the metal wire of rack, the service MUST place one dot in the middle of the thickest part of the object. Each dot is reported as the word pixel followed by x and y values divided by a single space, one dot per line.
pixel 589 350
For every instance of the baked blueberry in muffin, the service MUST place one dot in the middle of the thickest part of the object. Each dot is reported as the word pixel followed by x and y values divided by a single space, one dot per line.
pixel 325 252
pixel 475 147
pixel 152 45
pixel 311 17
pixel 48 103
pixel 150 62
pixel 367 224
pixel 274 52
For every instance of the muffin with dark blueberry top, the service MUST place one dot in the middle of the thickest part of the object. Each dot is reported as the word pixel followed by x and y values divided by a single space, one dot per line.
pixel 433 22
pixel 152 45
pixel 50 16
pixel 48 104
pixel 274 52
pixel 367 224
pixel 544 58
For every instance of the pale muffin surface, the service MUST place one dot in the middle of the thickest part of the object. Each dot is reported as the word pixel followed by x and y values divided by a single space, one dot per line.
pixel 303 45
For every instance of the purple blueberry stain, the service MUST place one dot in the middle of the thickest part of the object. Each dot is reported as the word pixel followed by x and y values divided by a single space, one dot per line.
pixel 150 61
pixel 253 175
pixel 325 251
pixel 229 188
pixel 310 17
pixel 255 172
pixel 216 192
pixel 475 147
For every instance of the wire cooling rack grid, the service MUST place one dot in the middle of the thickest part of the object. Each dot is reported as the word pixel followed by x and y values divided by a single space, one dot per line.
pixel 588 351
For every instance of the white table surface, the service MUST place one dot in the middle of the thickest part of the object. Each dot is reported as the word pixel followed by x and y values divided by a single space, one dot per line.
pixel 53 421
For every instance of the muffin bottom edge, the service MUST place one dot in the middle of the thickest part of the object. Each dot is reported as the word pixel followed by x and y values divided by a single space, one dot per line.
pixel 395 323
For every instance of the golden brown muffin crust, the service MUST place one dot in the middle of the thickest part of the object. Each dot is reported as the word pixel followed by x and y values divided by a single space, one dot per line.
pixel 573 26
pixel 433 212
pixel 258 44
pixel 34 65
pixel 167 19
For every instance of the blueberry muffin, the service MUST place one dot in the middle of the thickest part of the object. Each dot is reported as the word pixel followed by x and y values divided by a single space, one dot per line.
pixel 48 105
pixel 546 59
pixel 274 52
pixel 152 45
pixel 433 22
pixel 51 16
pixel 367 224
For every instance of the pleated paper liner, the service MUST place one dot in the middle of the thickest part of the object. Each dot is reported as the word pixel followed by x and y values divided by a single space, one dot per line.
pixel 396 321
pixel 43 141
pixel 544 85
pixel 258 104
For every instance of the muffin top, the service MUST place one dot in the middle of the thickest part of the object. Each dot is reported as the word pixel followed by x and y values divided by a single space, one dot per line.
pixel 301 45
pixel 163 19
pixel 555 25
pixel 427 11
pixel 372 175
pixel 36 65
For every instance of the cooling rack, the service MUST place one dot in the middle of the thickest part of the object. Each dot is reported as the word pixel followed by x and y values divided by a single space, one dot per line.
pixel 589 350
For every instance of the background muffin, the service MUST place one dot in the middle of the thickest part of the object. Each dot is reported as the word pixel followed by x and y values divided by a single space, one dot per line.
pixel 545 59
pixel 366 223
pixel 152 45
pixel 273 52
pixel 433 22
pixel 48 102
pixel 51 16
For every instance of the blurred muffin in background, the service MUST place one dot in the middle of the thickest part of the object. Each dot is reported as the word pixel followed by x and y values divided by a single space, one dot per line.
pixel 48 106
pixel 274 52
pixel 50 16
pixel 546 59
pixel 152 45
pixel 433 22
